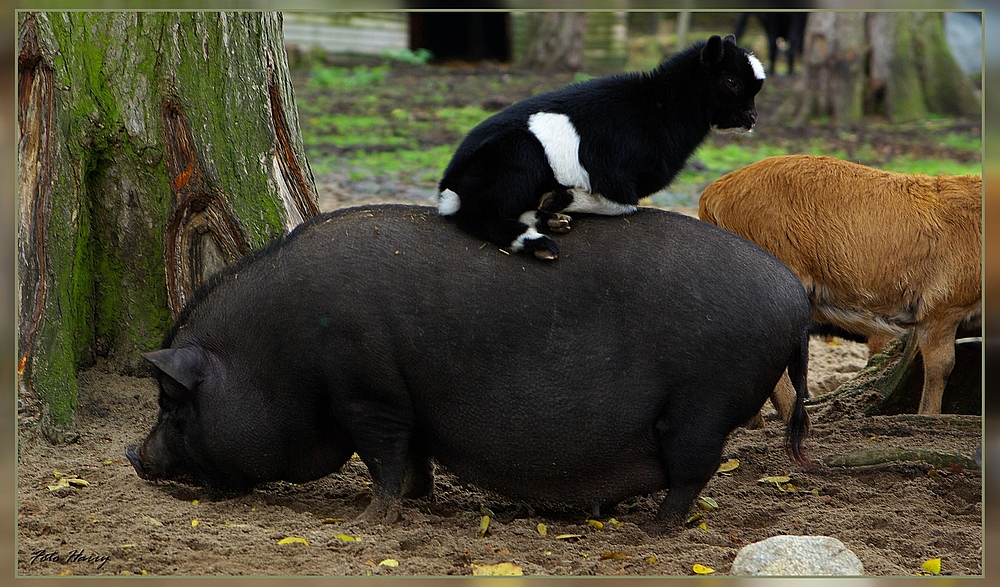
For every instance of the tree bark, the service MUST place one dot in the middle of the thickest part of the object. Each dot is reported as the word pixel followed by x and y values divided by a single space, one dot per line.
pixel 892 382
pixel 911 70
pixel 153 149
pixel 555 40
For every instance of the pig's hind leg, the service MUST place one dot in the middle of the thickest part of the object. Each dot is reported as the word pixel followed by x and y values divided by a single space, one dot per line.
pixel 690 457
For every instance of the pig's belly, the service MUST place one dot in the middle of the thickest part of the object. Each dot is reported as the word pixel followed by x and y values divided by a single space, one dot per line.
pixel 576 474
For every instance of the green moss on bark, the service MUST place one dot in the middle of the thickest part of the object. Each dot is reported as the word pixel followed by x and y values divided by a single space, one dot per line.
pixel 903 94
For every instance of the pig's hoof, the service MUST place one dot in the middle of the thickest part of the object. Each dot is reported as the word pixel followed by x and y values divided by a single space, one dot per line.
pixel 559 223
pixel 381 512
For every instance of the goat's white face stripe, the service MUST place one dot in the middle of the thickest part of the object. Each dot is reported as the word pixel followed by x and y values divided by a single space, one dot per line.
pixel 448 203
pixel 562 148
pixel 756 65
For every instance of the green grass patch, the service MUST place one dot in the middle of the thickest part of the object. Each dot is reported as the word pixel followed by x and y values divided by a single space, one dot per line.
pixel 932 166
pixel 462 120
pixel 349 78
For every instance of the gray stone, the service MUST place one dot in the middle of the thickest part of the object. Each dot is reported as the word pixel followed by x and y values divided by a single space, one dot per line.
pixel 797 556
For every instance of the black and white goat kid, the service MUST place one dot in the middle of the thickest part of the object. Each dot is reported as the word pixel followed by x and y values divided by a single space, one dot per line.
pixel 596 147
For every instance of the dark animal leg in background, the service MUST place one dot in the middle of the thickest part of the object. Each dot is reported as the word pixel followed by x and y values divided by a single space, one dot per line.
pixel 419 481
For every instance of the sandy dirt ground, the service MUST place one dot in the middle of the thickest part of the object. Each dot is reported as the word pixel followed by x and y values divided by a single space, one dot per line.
pixel 894 516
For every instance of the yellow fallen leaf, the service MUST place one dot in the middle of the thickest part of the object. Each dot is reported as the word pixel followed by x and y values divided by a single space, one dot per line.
pixel 651 560
pixel 697 516
pixel 614 555
pixel 932 566
pixel 152 521
pixel 293 540
pixel 542 529
pixel 194 502
pixel 484 526
pixel 616 523
pixel 346 537
pixel 194 522
pixel 730 465
pixel 499 569
pixel 702 570
pixel 75 481
pixel 703 526
pixel 389 562
pixel 569 536
pixel 708 504
pixel 62 482
pixel 65 572
pixel 331 520
pixel 126 546
pixel 596 524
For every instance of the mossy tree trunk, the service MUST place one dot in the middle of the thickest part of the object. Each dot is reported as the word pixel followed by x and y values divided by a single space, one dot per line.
pixel 892 63
pixel 153 149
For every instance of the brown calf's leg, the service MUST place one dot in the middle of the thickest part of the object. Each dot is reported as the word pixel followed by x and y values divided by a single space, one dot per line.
pixel 937 348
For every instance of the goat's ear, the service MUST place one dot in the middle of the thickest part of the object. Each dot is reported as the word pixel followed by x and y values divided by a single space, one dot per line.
pixel 730 38
pixel 712 52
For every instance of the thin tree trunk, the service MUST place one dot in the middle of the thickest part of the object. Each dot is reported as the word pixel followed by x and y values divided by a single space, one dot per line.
pixel 555 40
pixel 153 149
pixel 832 78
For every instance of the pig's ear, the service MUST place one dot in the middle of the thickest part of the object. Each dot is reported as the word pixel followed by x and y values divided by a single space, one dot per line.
pixel 185 365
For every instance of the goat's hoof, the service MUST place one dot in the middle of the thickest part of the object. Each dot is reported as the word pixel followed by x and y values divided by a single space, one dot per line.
pixel 559 223
pixel 546 255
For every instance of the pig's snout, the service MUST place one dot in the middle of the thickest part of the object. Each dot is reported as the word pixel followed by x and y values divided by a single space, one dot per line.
pixel 133 457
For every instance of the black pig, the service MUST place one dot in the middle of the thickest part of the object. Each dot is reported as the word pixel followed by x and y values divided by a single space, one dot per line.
pixel 383 331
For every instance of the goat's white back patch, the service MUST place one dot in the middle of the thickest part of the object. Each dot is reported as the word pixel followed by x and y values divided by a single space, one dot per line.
pixel 448 203
pixel 562 148
pixel 756 65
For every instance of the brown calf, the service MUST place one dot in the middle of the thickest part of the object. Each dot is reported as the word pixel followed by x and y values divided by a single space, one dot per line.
pixel 878 252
